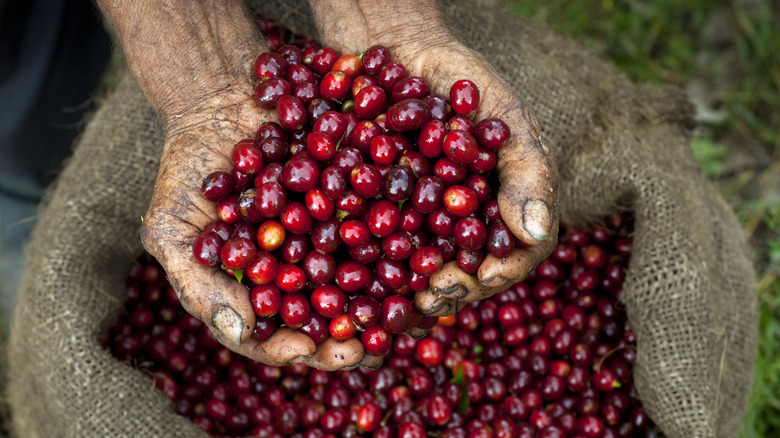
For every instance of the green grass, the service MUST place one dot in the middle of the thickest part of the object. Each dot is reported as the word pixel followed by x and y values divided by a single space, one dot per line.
pixel 665 42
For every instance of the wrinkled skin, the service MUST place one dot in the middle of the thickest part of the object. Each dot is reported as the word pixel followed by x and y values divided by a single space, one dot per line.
pixel 194 63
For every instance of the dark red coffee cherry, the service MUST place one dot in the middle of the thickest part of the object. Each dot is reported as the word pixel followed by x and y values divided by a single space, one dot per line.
pixel 217 186
pixel 408 115
pixel 492 133
pixel 464 97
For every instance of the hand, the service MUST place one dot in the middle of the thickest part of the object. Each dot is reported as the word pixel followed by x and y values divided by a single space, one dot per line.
pixel 194 62
pixel 417 37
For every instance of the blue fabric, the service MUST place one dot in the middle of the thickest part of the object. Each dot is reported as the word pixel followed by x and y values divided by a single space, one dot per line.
pixel 52 54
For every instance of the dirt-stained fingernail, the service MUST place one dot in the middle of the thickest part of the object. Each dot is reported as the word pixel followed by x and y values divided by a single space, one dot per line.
pixel 417 333
pixel 536 219
pixel 433 310
pixel 227 321
pixel 371 367
pixel 494 281
pixel 448 291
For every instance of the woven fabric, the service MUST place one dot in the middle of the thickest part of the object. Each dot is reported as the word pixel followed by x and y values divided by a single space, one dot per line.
pixel 689 291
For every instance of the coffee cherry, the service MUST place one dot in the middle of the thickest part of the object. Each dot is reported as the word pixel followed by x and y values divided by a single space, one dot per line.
pixel 470 233
pixel 354 233
pixel 342 327
pixel 217 186
pixel 370 101
pixel 427 194
pixel 492 133
pixel 364 310
pixel 329 301
pixel 410 88
pixel 319 206
pixel 408 115
pixel 321 146
pixel 426 261
pixel 296 219
pixel 464 97
pixel 382 150
pixel 323 60
pixel 271 199
pixel 460 201
pixel 270 64
pixel 268 92
pixel 460 146
pixel 500 240
pixel 429 352
pixel 237 253
pixel 366 180
pixel 398 184
pixel 289 278
pixel 376 340
pixel 319 268
pixel 396 314
pixel 207 248
pixel 300 175
pixel 382 218
pixel 295 309
pixel 262 269
pixel 335 85
pixel 266 300
pixel 291 112
pixel 352 276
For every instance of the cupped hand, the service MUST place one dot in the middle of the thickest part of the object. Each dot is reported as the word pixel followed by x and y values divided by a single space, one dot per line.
pixel 418 37
pixel 194 62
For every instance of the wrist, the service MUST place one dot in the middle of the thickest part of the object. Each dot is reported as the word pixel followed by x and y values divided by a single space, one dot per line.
pixel 408 24
pixel 183 52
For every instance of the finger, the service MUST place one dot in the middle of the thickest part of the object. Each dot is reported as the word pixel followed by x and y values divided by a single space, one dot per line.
pixel 371 362
pixel 503 272
pixel 177 214
pixel 528 194
pixel 206 293
pixel 417 332
pixel 285 346
pixel 341 25
pixel 452 288
pixel 334 355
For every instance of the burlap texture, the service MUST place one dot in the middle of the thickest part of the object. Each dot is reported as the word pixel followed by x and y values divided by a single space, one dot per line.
pixel 689 292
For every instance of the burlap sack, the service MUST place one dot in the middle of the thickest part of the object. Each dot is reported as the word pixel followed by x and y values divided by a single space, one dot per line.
pixel 689 291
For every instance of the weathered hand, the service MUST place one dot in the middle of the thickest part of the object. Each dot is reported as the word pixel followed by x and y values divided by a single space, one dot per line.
pixel 194 63
pixel 419 38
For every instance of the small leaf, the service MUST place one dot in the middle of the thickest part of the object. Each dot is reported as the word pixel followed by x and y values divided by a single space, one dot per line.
pixel 459 378
pixel 463 404
pixel 239 273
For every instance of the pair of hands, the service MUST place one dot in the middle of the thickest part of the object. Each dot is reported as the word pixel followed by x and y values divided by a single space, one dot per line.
pixel 194 63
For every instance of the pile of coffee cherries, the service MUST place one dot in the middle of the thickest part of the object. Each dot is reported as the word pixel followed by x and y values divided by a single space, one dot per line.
pixel 337 214
pixel 551 356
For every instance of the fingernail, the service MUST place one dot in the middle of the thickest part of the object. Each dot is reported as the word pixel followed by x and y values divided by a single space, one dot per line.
pixel 301 359
pixel 429 311
pixel 448 291
pixel 227 321
pixel 376 367
pixel 536 219
pixel 494 281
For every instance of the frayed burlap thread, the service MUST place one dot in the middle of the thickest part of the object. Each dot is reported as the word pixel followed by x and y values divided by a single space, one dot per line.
pixel 689 291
